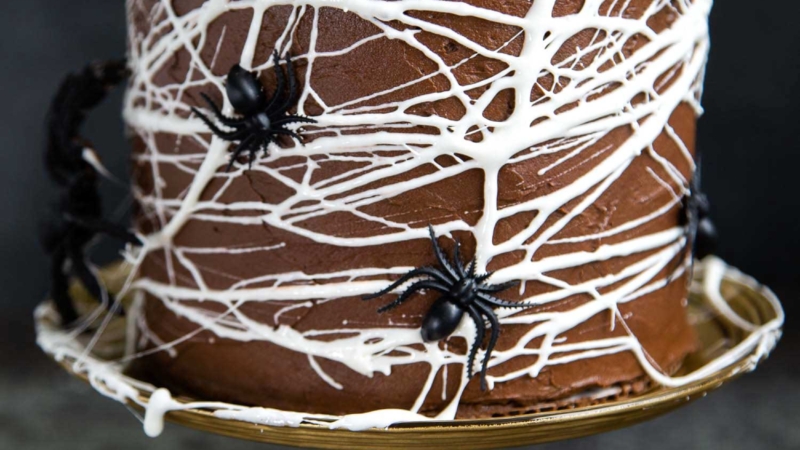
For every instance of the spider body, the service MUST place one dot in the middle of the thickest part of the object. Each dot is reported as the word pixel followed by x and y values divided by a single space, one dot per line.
pixel 445 314
pixel 464 292
pixel 263 118
pixel 77 217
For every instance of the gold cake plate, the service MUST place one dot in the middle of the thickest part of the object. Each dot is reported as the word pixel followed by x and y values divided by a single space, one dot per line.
pixel 719 336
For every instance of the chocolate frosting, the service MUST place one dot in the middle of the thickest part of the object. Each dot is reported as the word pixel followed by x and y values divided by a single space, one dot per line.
pixel 261 373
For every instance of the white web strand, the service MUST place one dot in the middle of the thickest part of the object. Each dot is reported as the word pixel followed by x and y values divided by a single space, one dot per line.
pixel 667 70
pixel 108 378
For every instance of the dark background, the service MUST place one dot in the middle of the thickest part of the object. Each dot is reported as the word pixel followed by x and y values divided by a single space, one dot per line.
pixel 748 139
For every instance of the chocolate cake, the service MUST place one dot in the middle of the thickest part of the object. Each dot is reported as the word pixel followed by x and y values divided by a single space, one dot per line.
pixel 549 145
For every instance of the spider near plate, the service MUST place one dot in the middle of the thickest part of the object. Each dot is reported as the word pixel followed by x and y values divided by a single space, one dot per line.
pixel 463 292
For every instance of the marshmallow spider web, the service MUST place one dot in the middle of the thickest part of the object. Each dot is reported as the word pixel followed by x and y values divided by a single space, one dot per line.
pixel 564 108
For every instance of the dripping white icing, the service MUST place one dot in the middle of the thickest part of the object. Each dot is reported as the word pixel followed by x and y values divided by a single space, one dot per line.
pixel 652 70
pixel 160 404
pixel 108 378
pixel 151 109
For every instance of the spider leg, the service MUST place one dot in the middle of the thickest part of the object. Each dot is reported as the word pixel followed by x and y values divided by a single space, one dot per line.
pixel 276 60
pixel 264 144
pixel 433 273
pixel 228 136
pixel 255 146
pixel 480 330
pixel 440 255
pixel 422 284
pixel 472 266
pixel 496 287
pixel 430 271
pixel 292 86
pixel 487 311
pixel 289 133
pixel 86 277
pixel 694 223
pixel 502 303
pixel 481 278
pixel 228 121
pixel 457 259
pixel 238 151
pixel 270 139
pixel 59 287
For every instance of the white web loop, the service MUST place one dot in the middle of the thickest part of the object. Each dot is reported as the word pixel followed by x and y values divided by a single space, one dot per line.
pixel 639 92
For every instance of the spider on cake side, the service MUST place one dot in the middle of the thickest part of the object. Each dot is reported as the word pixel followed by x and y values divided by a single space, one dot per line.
pixel 463 292
pixel 263 118
pixel 699 231
pixel 701 234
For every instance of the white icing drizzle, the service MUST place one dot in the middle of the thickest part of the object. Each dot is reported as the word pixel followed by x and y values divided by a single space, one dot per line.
pixel 158 406
pixel 665 72
pixel 152 109
pixel 108 377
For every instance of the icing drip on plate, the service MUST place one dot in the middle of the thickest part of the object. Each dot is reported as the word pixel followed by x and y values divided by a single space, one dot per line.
pixel 108 377
pixel 640 91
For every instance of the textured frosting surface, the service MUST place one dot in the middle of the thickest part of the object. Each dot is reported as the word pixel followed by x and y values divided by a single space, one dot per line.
pixel 553 139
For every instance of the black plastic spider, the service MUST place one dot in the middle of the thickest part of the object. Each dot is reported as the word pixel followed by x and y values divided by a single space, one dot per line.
pixel 72 163
pixel 463 292
pixel 263 118
pixel 701 233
